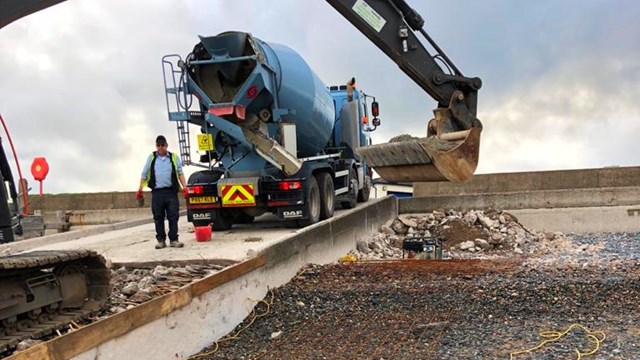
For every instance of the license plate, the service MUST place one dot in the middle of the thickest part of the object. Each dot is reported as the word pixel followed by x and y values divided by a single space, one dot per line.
pixel 202 200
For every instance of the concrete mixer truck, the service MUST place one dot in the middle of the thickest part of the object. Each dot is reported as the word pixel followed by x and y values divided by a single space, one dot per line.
pixel 275 139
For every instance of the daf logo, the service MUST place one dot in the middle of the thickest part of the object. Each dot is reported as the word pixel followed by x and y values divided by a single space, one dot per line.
pixel 292 213
pixel 206 216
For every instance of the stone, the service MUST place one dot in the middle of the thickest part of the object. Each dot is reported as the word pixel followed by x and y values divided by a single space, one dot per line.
pixel 363 247
pixel 483 244
pixel 386 230
pixel 438 215
pixel 470 218
pixel 130 289
pixel 486 221
pixel 408 222
pixel 399 227
pixel 160 271
pixel 467 245
pixel 25 344
pixel 146 281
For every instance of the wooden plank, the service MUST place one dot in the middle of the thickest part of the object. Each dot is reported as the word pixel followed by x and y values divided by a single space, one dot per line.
pixel 180 263
pixel 90 336
pixel 95 334
pixel 38 351
pixel 210 282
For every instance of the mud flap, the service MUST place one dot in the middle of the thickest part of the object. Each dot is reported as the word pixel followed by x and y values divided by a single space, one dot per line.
pixel 292 213
pixel 426 160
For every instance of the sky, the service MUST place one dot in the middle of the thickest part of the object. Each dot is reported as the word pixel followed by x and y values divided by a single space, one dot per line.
pixel 81 83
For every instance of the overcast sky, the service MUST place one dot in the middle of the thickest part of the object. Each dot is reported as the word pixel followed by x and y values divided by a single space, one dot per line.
pixel 81 82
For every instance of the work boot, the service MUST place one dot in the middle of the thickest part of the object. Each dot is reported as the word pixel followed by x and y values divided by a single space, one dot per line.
pixel 176 244
pixel 161 245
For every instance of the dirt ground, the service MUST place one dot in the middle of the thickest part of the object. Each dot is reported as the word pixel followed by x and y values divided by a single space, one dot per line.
pixel 457 233
pixel 456 309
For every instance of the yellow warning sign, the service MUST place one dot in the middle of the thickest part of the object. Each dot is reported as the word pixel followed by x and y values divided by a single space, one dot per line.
pixel 205 142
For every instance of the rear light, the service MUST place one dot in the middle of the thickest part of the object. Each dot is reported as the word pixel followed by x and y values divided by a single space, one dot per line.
pixel 239 111
pixel 375 109
pixel 221 110
pixel 196 190
pixel 290 185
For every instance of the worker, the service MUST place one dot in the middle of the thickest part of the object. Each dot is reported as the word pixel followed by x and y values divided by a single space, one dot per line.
pixel 162 173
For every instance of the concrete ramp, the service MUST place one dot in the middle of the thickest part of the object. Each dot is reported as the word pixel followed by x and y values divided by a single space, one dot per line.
pixel 183 322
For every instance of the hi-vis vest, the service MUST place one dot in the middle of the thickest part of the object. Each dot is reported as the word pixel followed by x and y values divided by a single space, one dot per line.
pixel 151 174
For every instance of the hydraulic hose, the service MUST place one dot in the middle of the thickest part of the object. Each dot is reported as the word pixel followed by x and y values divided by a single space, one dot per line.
pixel 15 156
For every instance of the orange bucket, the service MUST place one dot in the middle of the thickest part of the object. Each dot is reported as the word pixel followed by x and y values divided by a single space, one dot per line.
pixel 203 233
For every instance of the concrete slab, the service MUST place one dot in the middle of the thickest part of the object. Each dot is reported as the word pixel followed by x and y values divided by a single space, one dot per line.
pixel 136 244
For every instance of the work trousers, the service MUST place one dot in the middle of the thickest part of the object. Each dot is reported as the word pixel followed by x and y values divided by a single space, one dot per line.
pixel 164 203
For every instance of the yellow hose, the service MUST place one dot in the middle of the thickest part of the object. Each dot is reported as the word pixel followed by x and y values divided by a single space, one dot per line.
pixel 552 336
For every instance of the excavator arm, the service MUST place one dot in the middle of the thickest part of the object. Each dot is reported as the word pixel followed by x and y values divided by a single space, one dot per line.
pixel 450 150
pixel 12 10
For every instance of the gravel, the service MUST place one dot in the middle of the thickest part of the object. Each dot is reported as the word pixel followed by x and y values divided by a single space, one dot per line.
pixel 475 305
pixel 131 287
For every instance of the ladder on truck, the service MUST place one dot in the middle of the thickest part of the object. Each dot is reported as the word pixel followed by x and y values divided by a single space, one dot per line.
pixel 178 103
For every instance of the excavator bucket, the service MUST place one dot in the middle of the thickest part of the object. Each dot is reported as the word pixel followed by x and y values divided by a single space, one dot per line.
pixel 448 157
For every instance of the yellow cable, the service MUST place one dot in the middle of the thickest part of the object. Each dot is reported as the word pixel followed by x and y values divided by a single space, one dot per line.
pixel 555 336
pixel 236 335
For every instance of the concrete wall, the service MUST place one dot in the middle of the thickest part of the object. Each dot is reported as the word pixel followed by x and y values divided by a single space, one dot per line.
pixel 534 181
pixel 479 184
pixel 578 201
pixel 99 217
pixel 548 199
pixel 582 220
pixel 90 201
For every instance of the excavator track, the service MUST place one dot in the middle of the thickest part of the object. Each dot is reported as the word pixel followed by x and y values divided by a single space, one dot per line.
pixel 45 291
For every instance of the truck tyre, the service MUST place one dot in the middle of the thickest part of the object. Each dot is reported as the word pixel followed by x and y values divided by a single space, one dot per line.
pixel 363 194
pixel 312 204
pixel 327 195
pixel 353 191
pixel 222 222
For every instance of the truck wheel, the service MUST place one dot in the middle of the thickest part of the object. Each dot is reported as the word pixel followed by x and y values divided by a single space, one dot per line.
pixel 327 195
pixel 222 222
pixel 312 204
pixel 353 191
pixel 363 194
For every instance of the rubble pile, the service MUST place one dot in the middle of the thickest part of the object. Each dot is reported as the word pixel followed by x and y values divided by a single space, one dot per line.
pixel 485 233
pixel 131 287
